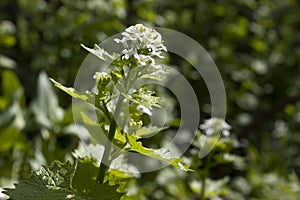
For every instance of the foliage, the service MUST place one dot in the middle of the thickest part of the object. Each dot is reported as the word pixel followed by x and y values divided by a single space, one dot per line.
pixel 254 44
pixel 64 181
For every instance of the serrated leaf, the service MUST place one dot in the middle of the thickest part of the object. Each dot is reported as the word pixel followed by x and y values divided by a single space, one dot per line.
pixel 157 74
pixel 160 154
pixel 100 53
pixel 59 174
pixel 55 183
pixel 144 97
pixel 71 91
pixel 84 178
pixel 47 184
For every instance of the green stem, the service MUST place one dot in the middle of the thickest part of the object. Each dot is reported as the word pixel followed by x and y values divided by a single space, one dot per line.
pixel 111 135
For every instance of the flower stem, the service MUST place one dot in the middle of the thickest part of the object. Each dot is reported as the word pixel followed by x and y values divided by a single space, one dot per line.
pixel 111 134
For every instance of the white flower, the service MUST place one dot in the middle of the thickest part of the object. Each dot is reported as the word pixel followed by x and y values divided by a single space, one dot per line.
pixel 144 109
pixel 99 75
pixel 215 126
pixel 128 52
pixel 139 38
pixel 144 60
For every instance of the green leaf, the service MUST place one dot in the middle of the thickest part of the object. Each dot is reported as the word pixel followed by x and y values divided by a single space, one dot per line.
pixel 84 183
pixel 14 114
pixel 85 177
pixel 10 86
pixel 71 91
pixel 46 107
pixel 105 192
pixel 144 97
pixel 61 182
pixel 47 184
pixel 101 53
pixel 91 125
pixel 160 154
pixel 10 137
pixel 60 174
pixel 147 131
pixel 88 121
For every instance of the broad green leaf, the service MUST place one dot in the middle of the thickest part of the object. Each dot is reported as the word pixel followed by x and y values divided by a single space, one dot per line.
pixel 10 86
pixel 10 137
pixel 71 91
pixel 61 182
pixel 160 154
pixel 59 174
pixel 47 184
pixel 105 192
pixel 46 107
pixel 85 177
pixel 84 183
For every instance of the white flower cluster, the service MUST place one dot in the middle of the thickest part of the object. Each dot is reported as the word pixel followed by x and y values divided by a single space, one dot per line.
pixel 215 125
pixel 143 44
pixel 100 75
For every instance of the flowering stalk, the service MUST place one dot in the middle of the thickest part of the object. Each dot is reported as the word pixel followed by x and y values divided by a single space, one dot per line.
pixel 141 47
pixel 111 134
pixel 140 44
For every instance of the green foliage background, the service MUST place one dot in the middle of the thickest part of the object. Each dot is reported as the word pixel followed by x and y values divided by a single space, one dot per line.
pixel 255 44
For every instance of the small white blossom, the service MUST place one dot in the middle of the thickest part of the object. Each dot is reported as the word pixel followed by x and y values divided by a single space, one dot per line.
pixel 144 109
pixel 98 75
pixel 215 126
pixel 143 60
pixel 143 43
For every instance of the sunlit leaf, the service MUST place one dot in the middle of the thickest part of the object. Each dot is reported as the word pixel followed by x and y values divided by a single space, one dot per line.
pixel 160 154
pixel 71 91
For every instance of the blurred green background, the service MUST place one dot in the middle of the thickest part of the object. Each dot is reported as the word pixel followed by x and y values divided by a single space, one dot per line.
pixel 255 44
